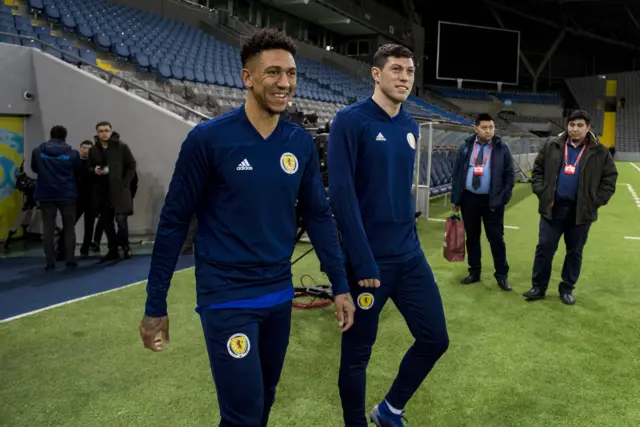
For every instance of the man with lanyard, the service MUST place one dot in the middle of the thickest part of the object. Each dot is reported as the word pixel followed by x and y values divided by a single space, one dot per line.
pixel 573 176
pixel 482 184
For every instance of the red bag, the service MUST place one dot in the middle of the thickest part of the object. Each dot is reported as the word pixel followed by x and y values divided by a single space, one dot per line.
pixel 454 248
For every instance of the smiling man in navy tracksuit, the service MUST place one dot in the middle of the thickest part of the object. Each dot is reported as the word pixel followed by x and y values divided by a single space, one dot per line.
pixel 370 159
pixel 241 174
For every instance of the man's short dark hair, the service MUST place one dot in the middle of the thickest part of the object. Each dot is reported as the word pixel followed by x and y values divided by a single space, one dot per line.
pixel 59 132
pixel 266 39
pixel 104 124
pixel 86 142
pixel 579 114
pixel 483 117
pixel 387 51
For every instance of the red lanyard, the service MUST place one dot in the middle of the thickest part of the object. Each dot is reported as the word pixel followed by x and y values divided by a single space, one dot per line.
pixel 566 153
pixel 475 153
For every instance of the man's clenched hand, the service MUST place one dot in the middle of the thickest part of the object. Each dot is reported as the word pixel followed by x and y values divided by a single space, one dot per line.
pixel 150 327
pixel 344 311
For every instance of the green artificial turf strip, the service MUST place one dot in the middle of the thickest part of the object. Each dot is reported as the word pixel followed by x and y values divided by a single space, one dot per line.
pixel 510 363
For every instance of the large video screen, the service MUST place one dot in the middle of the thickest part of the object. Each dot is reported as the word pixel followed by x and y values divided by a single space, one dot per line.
pixel 479 54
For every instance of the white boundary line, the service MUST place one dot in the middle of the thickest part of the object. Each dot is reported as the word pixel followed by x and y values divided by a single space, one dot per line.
pixel 634 195
pixel 634 165
pixel 512 227
pixel 631 238
pixel 19 316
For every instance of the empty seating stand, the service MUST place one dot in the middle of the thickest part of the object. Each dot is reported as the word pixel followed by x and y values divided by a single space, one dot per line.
pixel 489 95
pixel 174 52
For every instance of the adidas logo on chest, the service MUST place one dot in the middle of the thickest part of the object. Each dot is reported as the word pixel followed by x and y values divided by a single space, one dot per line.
pixel 244 166
pixel 380 137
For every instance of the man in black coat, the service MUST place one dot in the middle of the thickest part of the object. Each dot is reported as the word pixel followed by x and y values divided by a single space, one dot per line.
pixel 482 184
pixel 114 167
pixel 573 176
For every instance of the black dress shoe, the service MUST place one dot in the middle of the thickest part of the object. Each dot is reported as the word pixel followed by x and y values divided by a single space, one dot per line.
pixel 110 256
pixel 71 266
pixel 127 253
pixel 472 278
pixel 504 284
pixel 535 293
pixel 567 298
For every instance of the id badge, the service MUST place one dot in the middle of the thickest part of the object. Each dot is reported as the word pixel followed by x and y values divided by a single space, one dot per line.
pixel 569 170
pixel 478 170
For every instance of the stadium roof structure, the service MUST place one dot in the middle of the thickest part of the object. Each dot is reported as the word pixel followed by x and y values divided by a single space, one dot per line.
pixel 614 22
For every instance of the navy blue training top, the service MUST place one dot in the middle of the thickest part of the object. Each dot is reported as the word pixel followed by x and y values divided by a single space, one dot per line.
pixel 243 189
pixel 370 159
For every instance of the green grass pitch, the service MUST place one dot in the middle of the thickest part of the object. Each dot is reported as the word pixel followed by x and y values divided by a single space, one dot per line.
pixel 510 363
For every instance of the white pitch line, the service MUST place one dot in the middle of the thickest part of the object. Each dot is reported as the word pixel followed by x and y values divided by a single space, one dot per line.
pixel 631 238
pixel 512 227
pixel 19 316
pixel 633 164
pixel 634 195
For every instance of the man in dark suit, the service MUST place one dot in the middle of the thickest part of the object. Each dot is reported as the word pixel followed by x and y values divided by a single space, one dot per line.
pixel 482 184
pixel 573 176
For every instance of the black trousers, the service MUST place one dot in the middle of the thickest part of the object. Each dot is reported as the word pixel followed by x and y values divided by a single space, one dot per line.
pixel 106 222
pixel 83 209
pixel 575 237
pixel 86 210
pixel 49 212
pixel 475 211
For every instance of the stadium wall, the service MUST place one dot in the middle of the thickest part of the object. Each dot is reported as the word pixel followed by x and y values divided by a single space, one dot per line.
pixel 78 100
pixel 16 69
pixel 68 96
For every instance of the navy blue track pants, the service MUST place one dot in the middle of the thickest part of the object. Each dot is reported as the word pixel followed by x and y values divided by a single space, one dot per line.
pixel 246 349
pixel 413 289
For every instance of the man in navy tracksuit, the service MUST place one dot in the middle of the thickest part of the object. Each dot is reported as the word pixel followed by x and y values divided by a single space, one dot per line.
pixel 241 174
pixel 482 185
pixel 370 159
pixel 57 164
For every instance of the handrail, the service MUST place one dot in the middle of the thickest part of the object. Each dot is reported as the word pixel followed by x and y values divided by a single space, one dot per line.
pixel 111 74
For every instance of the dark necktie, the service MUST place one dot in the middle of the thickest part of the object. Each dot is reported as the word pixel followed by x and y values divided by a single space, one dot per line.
pixel 475 181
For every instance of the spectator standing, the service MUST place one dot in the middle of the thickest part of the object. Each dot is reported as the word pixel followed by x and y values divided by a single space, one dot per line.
pixel 482 185
pixel 573 176
pixel 56 164
pixel 114 167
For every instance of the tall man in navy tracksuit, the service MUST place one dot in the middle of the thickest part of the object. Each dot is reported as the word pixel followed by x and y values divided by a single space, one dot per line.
pixel 482 184
pixel 241 174
pixel 370 159
pixel 57 164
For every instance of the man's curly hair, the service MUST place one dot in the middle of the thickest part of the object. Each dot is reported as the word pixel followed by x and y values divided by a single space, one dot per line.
pixel 266 39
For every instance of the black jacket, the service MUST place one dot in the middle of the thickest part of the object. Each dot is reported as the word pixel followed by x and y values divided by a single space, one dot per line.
pixel 502 172
pixel 57 165
pixel 596 182
pixel 122 170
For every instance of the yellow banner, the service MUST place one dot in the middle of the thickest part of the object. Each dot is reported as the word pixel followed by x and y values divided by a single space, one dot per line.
pixel 11 157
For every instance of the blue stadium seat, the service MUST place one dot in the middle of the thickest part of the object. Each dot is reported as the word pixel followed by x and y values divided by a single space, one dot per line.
pixel 68 51
pixel 68 23
pixel 36 6
pixel 52 13
pixel 89 56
